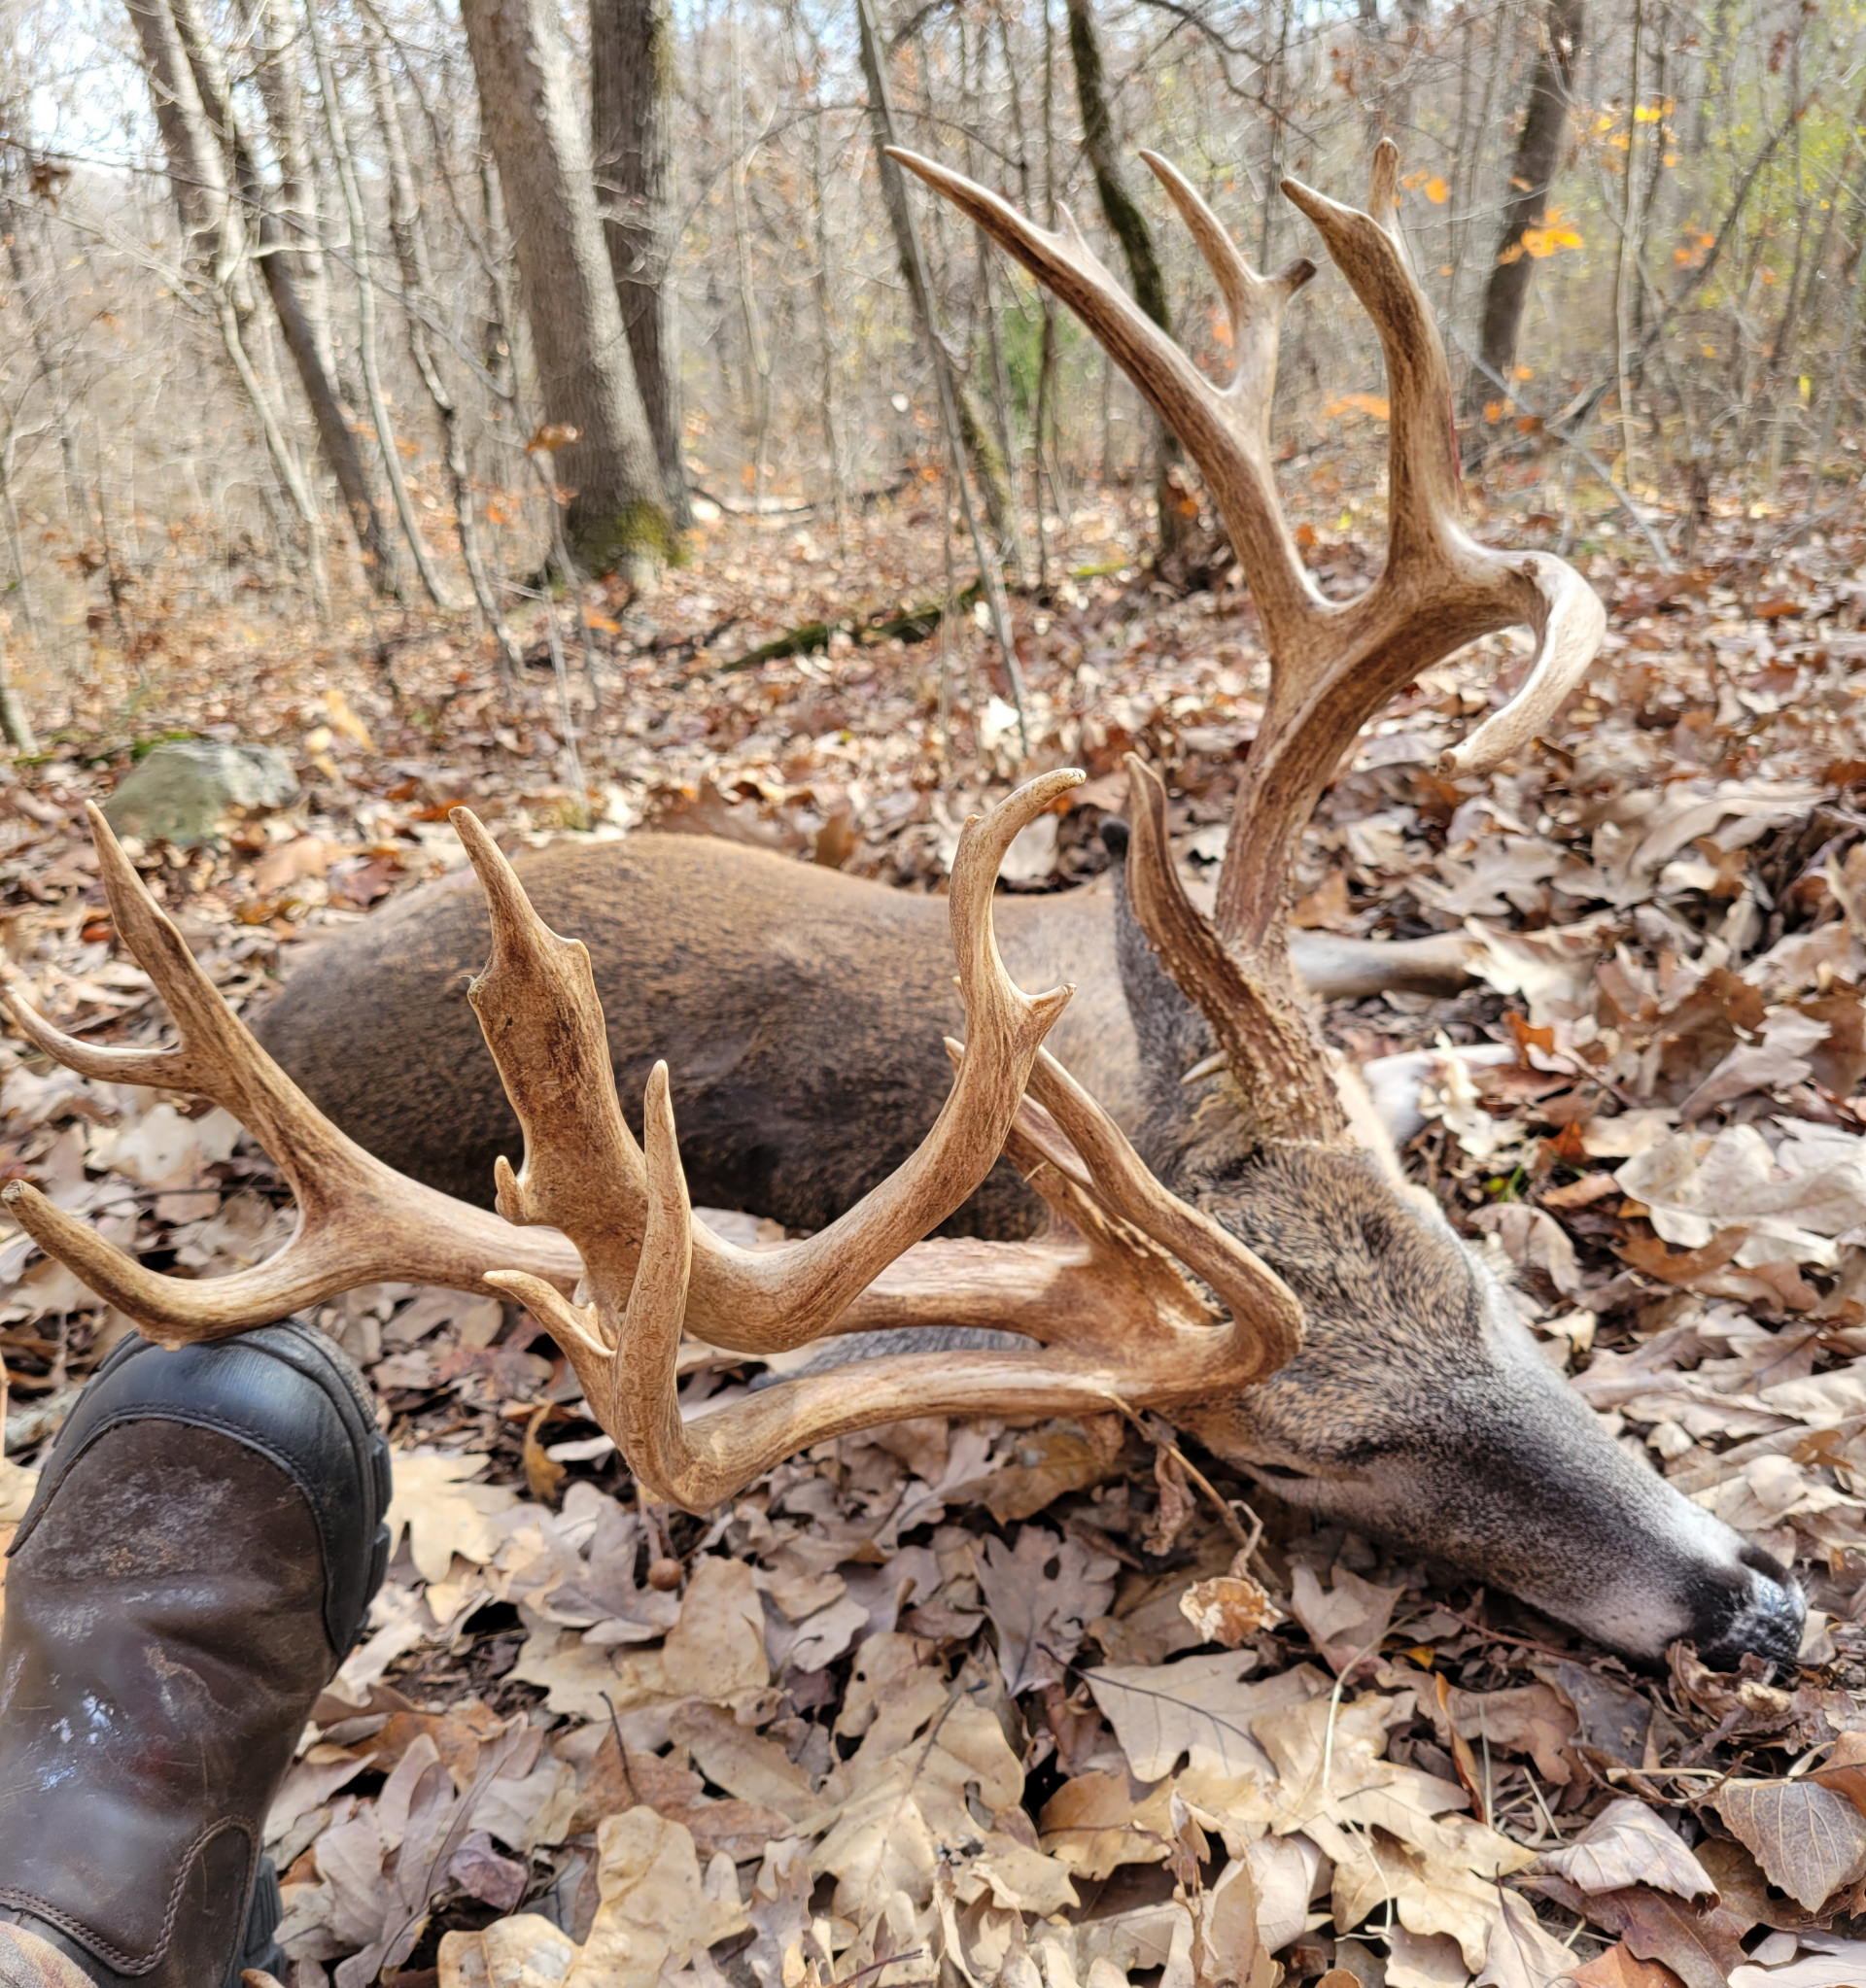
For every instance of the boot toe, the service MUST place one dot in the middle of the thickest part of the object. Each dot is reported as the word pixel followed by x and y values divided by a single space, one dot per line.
pixel 199 1558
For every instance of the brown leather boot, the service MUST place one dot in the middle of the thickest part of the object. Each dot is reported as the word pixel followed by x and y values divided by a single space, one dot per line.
pixel 198 1560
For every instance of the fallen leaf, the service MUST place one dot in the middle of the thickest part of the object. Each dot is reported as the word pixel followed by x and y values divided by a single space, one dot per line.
pixel 1347 1624
pixel 1176 1505
pixel 1531 1719
pixel 1416 1960
pixel 1701 1945
pixel 1627 1844
pixel 443 1512
pixel 656 1906
pixel 615 1780
pixel 1042 1593
pixel 1228 1609
pixel 717 1647
pixel 543 1475
pixel 1227 1948
pixel 1522 1952
pixel 1618 1968
pixel 747 1765
pixel 285 863
pixel 1832 1963
pixel 1808 1840
pixel 481 1870
pixel 1200 1708
pixel 932 1774
pixel 1097 1822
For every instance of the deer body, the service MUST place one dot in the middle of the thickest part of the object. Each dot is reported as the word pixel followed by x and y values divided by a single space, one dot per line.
pixel 800 1012
pixel 1238 1263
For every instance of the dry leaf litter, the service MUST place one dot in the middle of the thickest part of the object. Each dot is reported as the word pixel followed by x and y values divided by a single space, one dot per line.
pixel 973 1703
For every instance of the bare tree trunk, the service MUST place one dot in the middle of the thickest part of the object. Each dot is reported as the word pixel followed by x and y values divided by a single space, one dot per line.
pixel 1622 330
pixel 14 726
pixel 1003 422
pixel 282 91
pixel 757 353
pixel 213 222
pixel 632 45
pixel 418 288
pixel 618 515
pixel 336 436
pixel 820 281
pixel 975 437
pixel 336 125
pixel 20 262
pixel 1539 151
pixel 1128 225
pixel 16 540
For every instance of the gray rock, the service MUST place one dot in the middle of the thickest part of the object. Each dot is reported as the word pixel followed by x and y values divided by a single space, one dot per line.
pixel 185 793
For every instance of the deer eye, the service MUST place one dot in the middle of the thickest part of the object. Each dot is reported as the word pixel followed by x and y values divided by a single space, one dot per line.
pixel 1282 1472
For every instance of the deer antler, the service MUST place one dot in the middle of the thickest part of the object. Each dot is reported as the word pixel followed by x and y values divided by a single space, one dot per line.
pixel 1332 664
pixel 358 1220
pixel 1102 1284
pixel 627 1216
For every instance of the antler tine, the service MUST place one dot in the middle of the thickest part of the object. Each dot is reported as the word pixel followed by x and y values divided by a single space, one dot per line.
pixel 1254 303
pixel 1422 474
pixel 1569 621
pixel 624 1346
pixel 1251 996
pixel 636 1307
pixel 582 1170
pixel 164 953
pixel 1224 429
pixel 359 1221
pixel 537 990
pixel 1262 1307
pixel 1440 587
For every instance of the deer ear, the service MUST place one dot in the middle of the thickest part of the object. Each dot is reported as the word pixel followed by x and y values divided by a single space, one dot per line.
pixel 1171 1033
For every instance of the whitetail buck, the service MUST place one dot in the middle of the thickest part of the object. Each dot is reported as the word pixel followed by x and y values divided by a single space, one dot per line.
pixel 1243 1266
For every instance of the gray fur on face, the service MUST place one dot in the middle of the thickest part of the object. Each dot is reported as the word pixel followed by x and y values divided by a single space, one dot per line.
pixel 1420 1409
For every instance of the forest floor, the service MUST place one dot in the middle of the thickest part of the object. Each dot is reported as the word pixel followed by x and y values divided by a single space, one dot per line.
pixel 937 1703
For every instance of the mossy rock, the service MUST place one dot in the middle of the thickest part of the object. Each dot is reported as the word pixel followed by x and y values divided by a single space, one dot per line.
pixel 185 793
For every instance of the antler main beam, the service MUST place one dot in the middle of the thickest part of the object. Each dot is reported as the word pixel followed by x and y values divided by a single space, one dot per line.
pixel 1111 1315
pixel 1334 664
pixel 359 1221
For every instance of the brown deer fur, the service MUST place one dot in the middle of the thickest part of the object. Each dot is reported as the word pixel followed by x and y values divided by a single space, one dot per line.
pixel 789 1002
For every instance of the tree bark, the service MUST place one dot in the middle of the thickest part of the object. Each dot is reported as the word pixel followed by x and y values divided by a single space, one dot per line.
pixel 16 727
pixel 618 515
pixel 282 91
pixel 338 130
pixel 631 85
pixel 419 291
pixel 974 432
pixel 207 86
pixel 1128 225
pixel 1539 151
pixel 216 244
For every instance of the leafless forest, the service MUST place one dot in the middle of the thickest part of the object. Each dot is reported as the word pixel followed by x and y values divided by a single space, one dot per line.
pixel 294 323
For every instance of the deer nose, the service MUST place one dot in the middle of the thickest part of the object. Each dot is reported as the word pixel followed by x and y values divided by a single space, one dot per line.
pixel 1754 1609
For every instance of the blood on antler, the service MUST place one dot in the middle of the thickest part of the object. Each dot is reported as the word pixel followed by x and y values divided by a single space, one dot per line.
pixel 1334 664
pixel 1107 1295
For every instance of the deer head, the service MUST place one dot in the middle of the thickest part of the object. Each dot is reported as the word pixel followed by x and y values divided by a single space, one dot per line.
pixel 1418 1406
pixel 1248 1270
